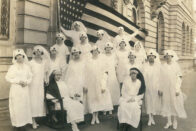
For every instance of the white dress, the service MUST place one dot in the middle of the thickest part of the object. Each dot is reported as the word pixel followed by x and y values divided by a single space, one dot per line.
pixel 61 57
pixel 129 112
pixel 36 89
pixel 74 78
pixel 172 105
pixel 110 62
pixel 122 57
pixel 96 80
pixel 19 101
pixel 140 57
pixel 152 81
pixel 75 110
pixel 85 49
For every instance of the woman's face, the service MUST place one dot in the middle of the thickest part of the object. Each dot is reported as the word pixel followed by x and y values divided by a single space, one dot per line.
pixel 151 58
pixel 122 45
pixel 137 47
pixel 76 55
pixel 100 35
pixel 37 54
pixel 20 59
pixel 95 53
pixel 77 27
pixel 57 76
pixel 83 39
pixel 168 58
pixel 133 76
pixel 59 40
pixel 53 52
pixel 108 50
pixel 120 31
pixel 131 58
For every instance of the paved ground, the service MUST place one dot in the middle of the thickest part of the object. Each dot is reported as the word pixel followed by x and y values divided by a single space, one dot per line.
pixel 109 124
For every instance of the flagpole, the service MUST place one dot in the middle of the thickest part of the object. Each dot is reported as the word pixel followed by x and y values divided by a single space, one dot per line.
pixel 58 16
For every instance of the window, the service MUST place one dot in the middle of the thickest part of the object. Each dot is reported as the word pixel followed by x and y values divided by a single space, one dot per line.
pixel 135 11
pixel 191 42
pixel 134 16
pixel 183 39
pixel 160 34
pixel 187 40
pixel 4 18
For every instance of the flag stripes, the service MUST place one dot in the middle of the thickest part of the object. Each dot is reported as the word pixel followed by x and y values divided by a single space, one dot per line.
pixel 95 15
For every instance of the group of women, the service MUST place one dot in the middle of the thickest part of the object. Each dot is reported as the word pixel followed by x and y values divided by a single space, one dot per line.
pixel 93 78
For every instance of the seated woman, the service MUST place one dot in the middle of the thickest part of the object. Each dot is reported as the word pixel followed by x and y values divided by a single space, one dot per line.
pixel 58 89
pixel 129 110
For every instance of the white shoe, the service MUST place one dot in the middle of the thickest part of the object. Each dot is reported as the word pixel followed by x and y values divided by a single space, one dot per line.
pixel 149 122
pixel 75 128
pixel 97 120
pixel 175 125
pixel 153 122
pixel 34 125
pixel 168 125
pixel 93 121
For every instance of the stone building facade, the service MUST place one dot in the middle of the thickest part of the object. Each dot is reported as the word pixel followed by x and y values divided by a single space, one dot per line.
pixel 25 23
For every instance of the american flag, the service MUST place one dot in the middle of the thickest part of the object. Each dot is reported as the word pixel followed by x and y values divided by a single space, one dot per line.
pixel 95 15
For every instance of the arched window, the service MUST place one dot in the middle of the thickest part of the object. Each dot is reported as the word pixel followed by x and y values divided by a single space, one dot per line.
pixel 141 14
pixel 191 42
pixel 187 40
pixel 160 33
pixel 134 15
pixel 183 39
pixel 4 19
pixel 135 11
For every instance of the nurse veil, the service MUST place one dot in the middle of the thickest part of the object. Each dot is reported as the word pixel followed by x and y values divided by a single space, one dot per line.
pixel 19 75
pixel 140 53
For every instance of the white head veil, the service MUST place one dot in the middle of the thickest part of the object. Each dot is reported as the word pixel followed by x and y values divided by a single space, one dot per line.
pixel 121 28
pixel 172 53
pixel 19 52
pixel 54 47
pixel 106 36
pixel 83 34
pixel 82 27
pixel 154 53
pixel 142 50
pixel 61 35
pixel 45 54
pixel 174 60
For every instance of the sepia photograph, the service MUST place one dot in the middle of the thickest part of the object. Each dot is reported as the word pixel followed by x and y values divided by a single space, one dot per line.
pixel 97 65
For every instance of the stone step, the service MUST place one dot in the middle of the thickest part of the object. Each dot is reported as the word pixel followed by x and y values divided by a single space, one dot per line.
pixel 4 102
pixel 4 114
pixel 6 128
